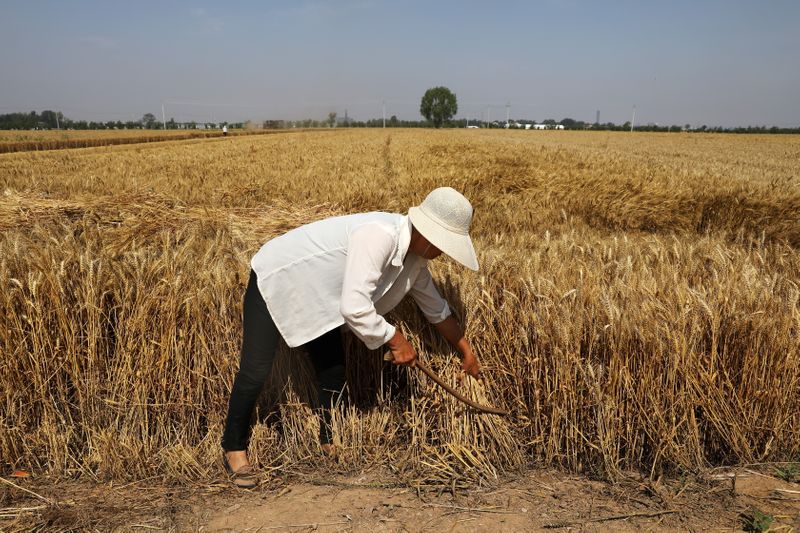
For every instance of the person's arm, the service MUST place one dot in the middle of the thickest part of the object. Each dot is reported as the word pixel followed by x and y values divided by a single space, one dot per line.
pixel 368 253
pixel 437 311
pixel 450 329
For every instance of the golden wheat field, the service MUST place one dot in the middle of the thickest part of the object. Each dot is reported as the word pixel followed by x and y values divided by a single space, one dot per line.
pixel 636 308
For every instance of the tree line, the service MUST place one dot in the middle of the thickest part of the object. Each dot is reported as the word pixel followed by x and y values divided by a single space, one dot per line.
pixel 51 120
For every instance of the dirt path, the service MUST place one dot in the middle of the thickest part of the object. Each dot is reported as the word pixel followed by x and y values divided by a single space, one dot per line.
pixel 367 503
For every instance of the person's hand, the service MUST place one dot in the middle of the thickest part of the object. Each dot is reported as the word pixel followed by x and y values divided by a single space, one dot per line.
pixel 403 352
pixel 470 365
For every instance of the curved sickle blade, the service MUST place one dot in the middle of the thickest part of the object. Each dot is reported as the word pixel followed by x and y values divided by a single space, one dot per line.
pixel 431 374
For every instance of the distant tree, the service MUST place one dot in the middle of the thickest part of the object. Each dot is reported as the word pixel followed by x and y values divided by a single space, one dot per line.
pixel 148 120
pixel 438 105
pixel 332 119
pixel 572 124
pixel 51 119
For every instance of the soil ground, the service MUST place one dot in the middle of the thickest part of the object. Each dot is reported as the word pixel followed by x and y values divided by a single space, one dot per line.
pixel 543 499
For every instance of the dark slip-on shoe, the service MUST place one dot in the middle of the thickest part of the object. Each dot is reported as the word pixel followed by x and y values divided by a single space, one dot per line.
pixel 245 477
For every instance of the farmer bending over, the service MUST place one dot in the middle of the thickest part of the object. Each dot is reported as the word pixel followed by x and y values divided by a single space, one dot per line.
pixel 349 270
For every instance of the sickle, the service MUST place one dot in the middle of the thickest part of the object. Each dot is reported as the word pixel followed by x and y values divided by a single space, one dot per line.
pixel 431 374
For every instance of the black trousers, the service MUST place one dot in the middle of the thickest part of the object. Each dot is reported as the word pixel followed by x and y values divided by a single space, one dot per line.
pixel 258 352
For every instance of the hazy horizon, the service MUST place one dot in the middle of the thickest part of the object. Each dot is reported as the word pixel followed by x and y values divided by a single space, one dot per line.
pixel 717 63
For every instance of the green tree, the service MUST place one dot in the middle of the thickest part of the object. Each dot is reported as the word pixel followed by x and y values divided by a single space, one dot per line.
pixel 438 105
pixel 331 119
pixel 572 124
pixel 52 119
pixel 148 120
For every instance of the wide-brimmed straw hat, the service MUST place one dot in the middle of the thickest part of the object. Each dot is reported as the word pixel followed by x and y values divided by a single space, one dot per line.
pixel 444 218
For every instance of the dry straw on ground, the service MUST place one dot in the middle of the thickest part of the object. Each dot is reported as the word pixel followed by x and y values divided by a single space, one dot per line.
pixel 637 306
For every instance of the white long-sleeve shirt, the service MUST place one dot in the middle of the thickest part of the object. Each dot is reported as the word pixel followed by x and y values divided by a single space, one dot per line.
pixel 344 270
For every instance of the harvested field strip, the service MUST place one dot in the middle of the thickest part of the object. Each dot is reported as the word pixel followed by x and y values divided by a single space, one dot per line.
pixel 76 141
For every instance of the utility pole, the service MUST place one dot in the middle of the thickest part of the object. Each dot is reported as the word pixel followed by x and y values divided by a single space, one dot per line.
pixel 508 112
pixel 163 118
pixel 488 120
pixel 633 119
pixel 384 113
pixel 57 125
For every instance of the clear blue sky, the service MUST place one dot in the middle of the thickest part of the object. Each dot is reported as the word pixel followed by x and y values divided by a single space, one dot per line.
pixel 721 62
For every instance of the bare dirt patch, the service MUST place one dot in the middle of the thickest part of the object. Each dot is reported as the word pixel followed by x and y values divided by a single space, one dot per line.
pixel 539 500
